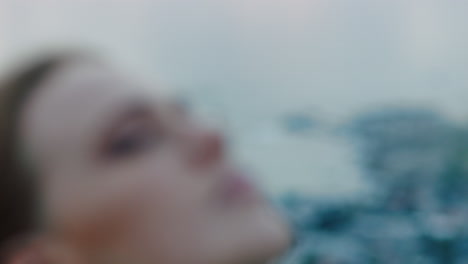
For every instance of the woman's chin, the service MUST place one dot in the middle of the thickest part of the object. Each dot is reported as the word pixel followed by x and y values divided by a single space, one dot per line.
pixel 278 240
pixel 271 238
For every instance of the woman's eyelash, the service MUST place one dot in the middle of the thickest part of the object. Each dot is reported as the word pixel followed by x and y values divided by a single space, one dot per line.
pixel 134 141
pixel 126 145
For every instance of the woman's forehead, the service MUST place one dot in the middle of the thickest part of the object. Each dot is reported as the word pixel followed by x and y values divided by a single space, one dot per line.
pixel 74 104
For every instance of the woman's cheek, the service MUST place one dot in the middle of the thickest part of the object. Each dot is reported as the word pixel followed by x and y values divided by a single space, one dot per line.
pixel 101 212
pixel 166 220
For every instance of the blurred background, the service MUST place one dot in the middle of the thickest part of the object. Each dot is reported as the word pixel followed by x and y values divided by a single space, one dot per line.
pixel 353 113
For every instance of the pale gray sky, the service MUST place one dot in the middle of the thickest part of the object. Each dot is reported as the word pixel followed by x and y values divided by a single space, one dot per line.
pixel 259 59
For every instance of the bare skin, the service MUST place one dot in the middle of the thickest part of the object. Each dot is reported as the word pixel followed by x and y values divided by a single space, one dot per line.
pixel 129 176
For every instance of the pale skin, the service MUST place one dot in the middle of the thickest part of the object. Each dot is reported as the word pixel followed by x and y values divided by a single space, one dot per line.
pixel 129 176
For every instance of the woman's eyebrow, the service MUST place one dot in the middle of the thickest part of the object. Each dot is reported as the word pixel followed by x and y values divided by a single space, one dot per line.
pixel 133 108
pixel 127 110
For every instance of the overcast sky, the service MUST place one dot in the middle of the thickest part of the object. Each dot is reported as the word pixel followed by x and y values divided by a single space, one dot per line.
pixel 258 59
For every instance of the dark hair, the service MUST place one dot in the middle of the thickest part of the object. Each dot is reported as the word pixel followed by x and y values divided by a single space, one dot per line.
pixel 18 194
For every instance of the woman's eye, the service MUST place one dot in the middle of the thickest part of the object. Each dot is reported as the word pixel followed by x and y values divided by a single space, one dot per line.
pixel 133 141
pixel 127 145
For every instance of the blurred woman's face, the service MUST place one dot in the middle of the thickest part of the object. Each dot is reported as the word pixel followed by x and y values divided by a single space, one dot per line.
pixel 128 176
